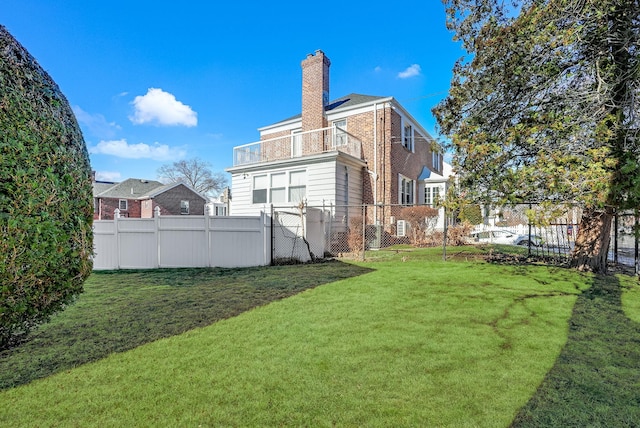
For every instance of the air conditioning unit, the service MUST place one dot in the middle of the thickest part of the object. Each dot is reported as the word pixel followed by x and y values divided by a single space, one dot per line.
pixel 401 228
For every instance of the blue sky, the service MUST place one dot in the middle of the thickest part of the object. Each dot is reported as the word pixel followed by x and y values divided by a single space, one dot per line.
pixel 152 82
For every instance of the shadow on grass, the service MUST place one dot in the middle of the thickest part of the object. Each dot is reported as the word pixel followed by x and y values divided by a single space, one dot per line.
pixel 596 379
pixel 121 310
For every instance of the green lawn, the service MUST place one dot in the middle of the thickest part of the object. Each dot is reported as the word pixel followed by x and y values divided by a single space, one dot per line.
pixel 403 339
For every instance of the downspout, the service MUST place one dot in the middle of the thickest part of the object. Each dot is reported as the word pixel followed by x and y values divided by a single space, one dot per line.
pixel 375 163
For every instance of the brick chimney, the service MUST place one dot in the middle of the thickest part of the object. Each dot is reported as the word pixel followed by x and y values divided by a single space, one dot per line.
pixel 315 90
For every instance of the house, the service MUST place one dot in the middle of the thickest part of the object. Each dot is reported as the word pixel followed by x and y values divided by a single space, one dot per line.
pixel 354 150
pixel 138 198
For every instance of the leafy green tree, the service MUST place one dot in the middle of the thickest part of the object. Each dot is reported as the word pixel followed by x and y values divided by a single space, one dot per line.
pixel 46 208
pixel 545 108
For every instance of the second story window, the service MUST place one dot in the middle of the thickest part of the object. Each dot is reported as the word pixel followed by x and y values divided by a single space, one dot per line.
pixel 436 159
pixel 407 137
pixel 340 137
pixel 296 144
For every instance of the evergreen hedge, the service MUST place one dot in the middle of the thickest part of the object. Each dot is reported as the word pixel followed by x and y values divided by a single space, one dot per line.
pixel 46 207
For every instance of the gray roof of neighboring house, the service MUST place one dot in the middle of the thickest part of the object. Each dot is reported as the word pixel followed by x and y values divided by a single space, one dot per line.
pixel 342 102
pixel 131 188
pixel 155 192
pixel 101 186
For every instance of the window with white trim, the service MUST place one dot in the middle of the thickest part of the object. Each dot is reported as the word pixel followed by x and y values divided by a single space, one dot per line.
pixel 123 204
pixel 340 137
pixel 260 184
pixel 280 187
pixel 297 186
pixel 436 160
pixel 407 136
pixel 431 195
pixel 407 187
pixel 184 207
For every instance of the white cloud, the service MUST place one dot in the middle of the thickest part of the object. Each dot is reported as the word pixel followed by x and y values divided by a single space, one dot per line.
pixel 413 70
pixel 162 108
pixel 108 176
pixel 378 69
pixel 122 149
pixel 96 123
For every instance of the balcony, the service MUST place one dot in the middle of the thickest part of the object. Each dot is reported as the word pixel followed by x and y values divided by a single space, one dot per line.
pixel 296 145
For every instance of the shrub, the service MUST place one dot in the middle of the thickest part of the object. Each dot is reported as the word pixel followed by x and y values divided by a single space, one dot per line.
pixel 354 238
pixel 422 219
pixel 46 205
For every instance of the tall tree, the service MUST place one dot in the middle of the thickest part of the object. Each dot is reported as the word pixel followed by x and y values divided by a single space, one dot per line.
pixel 545 108
pixel 196 173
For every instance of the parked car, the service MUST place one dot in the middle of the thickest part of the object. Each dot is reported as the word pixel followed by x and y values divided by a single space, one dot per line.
pixel 505 237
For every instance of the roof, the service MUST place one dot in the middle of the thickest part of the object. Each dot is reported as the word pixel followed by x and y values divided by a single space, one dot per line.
pixel 159 190
pixel 428 175
pixel 131 188
pixel 347 101
pixel 101 186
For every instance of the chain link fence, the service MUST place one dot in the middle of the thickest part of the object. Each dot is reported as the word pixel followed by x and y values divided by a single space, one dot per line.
pixel 307 233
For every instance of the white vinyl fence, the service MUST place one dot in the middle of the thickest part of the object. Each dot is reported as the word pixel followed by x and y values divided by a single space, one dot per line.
pixel 182 241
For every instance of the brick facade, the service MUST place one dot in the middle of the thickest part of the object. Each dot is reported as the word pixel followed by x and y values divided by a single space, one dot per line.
pixel 169 201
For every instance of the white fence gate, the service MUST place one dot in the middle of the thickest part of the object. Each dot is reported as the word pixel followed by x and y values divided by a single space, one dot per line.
pixel 182 241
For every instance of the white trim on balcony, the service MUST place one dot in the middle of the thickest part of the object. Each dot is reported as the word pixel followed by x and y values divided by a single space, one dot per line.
pixel 314 142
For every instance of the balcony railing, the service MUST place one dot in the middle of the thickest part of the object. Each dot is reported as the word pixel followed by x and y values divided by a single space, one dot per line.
pixel 297 145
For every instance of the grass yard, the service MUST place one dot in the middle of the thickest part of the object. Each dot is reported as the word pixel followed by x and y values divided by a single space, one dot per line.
pixel 403 339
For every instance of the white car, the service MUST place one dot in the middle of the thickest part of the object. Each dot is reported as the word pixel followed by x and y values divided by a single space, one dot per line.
pixel 505 237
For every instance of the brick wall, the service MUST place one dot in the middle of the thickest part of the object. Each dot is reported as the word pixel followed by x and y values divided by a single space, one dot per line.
pixel 169 201
pixel 107 206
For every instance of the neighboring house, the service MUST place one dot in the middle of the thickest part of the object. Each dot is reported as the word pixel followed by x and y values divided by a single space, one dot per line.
pixel 138 198
pixel 432 187
pixel 354 150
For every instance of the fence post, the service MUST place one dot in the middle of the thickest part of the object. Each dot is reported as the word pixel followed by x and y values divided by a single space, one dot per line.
pixel 116 216
pixel 364 226
pixel 444 238
pixel 272 236
pixel 156 233
pixel 529 243
pixel 615 238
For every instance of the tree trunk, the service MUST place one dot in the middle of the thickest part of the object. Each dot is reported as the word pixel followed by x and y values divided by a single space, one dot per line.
pixel 592 241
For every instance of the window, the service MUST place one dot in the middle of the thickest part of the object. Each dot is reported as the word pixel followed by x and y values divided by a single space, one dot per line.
pixel 406 191
pixel 122 205
pixel 297 186
pixel 260 189
pixel 431 195
pixel 184 207
pixel 296 143
pixel 340 132
pixel 278 192
pixel 220 210
pixel 407 137
pixel 280 187
pixel 436 160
